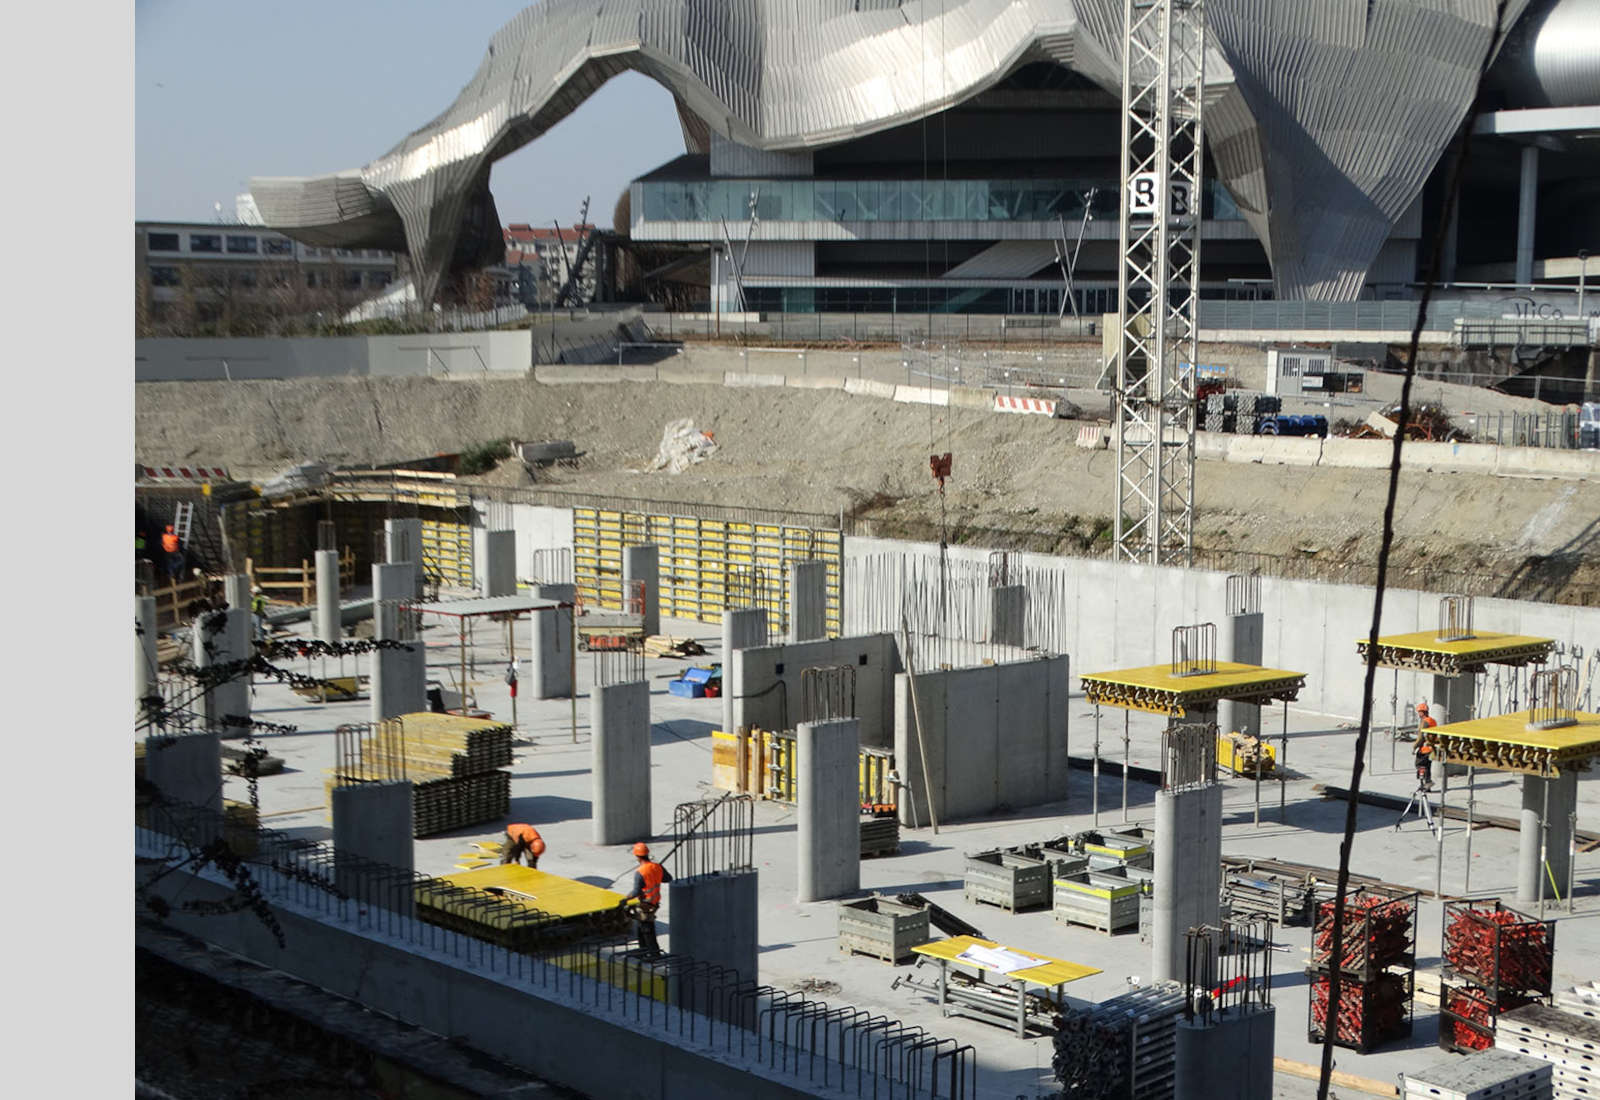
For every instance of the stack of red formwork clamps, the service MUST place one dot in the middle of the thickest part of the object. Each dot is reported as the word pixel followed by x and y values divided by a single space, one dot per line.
pixel 1494 960
pixel 1377 966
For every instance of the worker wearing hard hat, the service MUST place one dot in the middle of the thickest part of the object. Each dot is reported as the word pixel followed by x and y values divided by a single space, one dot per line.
pixel 647 880
pixel 173 549
pixel 522 842
pixel 1424 758
pixel 258 612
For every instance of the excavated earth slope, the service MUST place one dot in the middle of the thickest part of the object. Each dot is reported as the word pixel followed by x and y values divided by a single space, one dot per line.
pixel 826 451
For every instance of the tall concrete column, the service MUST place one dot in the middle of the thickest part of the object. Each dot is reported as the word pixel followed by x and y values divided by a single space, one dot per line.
pixel 145 676
pixel 715 919
pixel 219 638
pixel 392 585
pixel 741 629
pixel 619 721
pixel 327 611
pixel 556 593
pixel 402 542
pixel 1008 615
pixel 828 804
pixel 1241 638
pixel 1188 873
pixel 1527 212
pixel 643 563
pixel 499 563
pixel 1556 842
pixel 1228 1057
pixel 808 601
pixel 236 587
pixel 1453 698
pixel 373 827
pixel 186 768
pixel 551 659
pixel 399 681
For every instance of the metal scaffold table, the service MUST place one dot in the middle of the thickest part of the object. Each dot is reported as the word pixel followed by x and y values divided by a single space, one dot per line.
pixel 994 1001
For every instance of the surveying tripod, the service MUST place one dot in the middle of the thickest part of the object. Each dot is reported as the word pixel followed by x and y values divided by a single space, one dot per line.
pixel 1420 805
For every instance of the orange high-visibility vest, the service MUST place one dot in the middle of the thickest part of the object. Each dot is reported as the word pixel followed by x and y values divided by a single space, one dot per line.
pixel 528 835
pixel 169 542
pixel 652 874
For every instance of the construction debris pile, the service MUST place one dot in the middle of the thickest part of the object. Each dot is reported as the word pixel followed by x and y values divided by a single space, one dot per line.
pixel 1494 960
pixel 682 445
pixel 455 765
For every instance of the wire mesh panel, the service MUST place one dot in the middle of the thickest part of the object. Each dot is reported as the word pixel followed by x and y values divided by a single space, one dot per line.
pixel 1455 618
pixel 1194 649
pixel 1243 593
pixel 1552 697
pixel 1188 755
pixel 827 692
pixel 714 836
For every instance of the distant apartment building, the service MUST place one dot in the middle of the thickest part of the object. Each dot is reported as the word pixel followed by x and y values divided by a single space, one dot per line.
pixel 544 255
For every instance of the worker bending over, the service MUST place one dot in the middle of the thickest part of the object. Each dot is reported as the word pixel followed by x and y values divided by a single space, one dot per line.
pixel 647 880
pixel 1424 758
pixel 522 841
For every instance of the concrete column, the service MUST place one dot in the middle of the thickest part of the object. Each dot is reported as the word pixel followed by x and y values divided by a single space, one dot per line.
pixel 236 586
pixel 186 768
pixel 556 593
pixel 499 563
pixel 643 563
pixel 145 676
pixel 1188 873
pixel 327 610
pixel 741 629
pixel 1452 234
pixel 808 601
pixel 373 825
pixel 1008 615
pixel 399 681
pixel 619 722
pixel 1229 1058
pixel 827 793
pixel 391 584
pixel 714 919
pixel 1557 843
pixel 221 637
pixel 1527 212
pixel 402 540
pixel 1453 698
pixel 551 659
pixel 1240 638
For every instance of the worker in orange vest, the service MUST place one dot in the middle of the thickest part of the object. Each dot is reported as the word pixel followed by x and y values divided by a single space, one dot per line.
pixel 174 552
pixel 647 880
pixel 1424 757
pixel 522 841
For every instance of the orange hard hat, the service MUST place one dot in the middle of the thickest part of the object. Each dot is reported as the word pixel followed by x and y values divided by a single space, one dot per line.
pixel 641 849
pixel 537 846
pixel 1422 708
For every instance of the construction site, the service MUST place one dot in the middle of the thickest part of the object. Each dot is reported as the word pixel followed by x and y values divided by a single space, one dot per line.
pixel 1160 700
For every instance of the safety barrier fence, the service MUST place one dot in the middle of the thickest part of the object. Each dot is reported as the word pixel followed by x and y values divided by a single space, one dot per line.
pixel 700 1007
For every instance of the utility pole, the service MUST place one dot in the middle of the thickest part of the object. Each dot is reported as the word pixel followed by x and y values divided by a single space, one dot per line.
pixel 1163 79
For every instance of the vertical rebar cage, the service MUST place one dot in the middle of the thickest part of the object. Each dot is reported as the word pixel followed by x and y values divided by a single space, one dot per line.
pixel 714 836
pixel 551 566
pixel 1455 618
pixel 327 535
pixel 618 666
pixel 827 692
pixel 1243 594
pixel 367 752
pixel 1552 698
pixel 1188 755
pixel 1227 967
pixel 1194 649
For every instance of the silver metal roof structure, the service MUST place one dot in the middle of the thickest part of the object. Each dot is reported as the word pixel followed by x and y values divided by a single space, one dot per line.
pixel 1324 117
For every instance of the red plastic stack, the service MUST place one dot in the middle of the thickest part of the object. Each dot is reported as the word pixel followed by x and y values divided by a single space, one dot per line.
pixel 1499 960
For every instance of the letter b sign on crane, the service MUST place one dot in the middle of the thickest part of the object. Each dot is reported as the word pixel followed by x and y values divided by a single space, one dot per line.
pixel 1142 196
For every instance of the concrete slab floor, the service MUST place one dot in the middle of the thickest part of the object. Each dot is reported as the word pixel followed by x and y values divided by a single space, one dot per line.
pixel 551 788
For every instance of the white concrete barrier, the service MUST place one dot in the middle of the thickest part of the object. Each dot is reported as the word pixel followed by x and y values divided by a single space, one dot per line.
pixel 921 395
pixel 1094 437
pixel 813 382
pixel 739 378
pixel 866 387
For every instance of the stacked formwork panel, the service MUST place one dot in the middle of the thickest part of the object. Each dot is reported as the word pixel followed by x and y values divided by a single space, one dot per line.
pixel 1121 1048
pixel 1494 960
pixel 455 764
pixel 1491 1075
pixel 1560 1036
pixel 1377 967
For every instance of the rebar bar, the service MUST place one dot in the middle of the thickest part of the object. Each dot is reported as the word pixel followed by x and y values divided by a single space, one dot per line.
pixel 1242 594
pixel 1188 755
pixel 714 836
pixel 1194 649
pixel 827 692
pixel 1455 618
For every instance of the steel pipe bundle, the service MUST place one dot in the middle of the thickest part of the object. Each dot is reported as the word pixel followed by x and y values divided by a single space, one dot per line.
pixel 1122 1047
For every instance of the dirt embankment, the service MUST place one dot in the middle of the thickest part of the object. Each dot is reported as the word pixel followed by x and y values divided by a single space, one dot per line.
pixel 826 451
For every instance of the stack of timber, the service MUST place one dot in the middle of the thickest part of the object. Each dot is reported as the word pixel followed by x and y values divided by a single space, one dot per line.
pixel 1568 1042
pixel 667 645
pixel 454 764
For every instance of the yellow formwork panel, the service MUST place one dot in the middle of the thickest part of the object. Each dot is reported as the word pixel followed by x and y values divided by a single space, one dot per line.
pixel 1424 651
pixel 552 894
pixel 1155 689
pixel 1049 973
pixel 1504 742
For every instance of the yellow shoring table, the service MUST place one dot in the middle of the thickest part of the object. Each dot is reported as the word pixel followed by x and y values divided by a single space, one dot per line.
pixel 1050 974
pixel 503 902
pixel 1504 742
pixel 1156 689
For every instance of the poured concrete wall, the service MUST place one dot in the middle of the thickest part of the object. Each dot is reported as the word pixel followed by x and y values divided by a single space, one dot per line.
pixel 221 637
pixel 828 808
pixel 1188 873
pixel 399 681
pixel 421 355
pixel 758 701
pixel 619 723
pixel 1008 614
pixel 186 768
pixel 552 654
pixel 643 563
pixel 996 738
pixel 1229 1058
pixel 741 629
pixel 808 600
pixel 715 920
pixel 499 563
pixel 372 822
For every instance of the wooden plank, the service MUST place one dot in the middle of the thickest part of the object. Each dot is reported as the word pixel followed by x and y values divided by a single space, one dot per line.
pixel 1367 1085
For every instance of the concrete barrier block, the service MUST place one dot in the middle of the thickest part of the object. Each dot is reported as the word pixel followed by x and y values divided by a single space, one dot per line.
pixel 971 397
pixel 741 378
pixel 1357 454
pixel 1274 450
pixel 866 387
pixel 813 382
pixel 921 395
pixel 1036 406
pixel 692 376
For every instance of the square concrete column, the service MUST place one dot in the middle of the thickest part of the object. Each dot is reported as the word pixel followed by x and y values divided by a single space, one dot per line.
pixel 392 585
pixel 402 542
pixel 741 629
pixel 1453 698
pixel 220 638
pixel 828 801
pixel 1241 638
pixel 1527 212
pixel 186 768
pixel 327 611
pixel 551 661
pixel 236 587
pixel 556 593
pixel 1008 615
pixel 619 721
pixel 1555 842
pixel 399 681
pixel 1228 1057
pixel 808 601
pixel 373 826
pixel 499 563
pixel 643 563
pixel 715 918
pixel 146 678
pixel 1188 873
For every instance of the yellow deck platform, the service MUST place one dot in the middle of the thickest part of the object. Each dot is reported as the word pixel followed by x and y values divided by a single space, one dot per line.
pixel 1505 743
pixel 1156 690
pixel 519 907
pixel 552 894
pixel 1050 972
pixel 1424 652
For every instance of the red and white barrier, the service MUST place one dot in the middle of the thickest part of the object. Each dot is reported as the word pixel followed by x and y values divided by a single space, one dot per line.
pixel 1039 406
pixel 183 473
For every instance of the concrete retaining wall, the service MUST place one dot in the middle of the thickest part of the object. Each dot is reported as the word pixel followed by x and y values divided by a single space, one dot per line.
pixel 1375 454
pixel 422 355
pixel 996 737
pixel 754 674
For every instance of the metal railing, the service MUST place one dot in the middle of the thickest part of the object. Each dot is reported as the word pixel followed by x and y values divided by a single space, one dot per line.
pixel 704 1009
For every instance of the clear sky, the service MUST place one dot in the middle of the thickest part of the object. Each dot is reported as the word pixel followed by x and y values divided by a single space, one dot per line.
pixel 226 90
